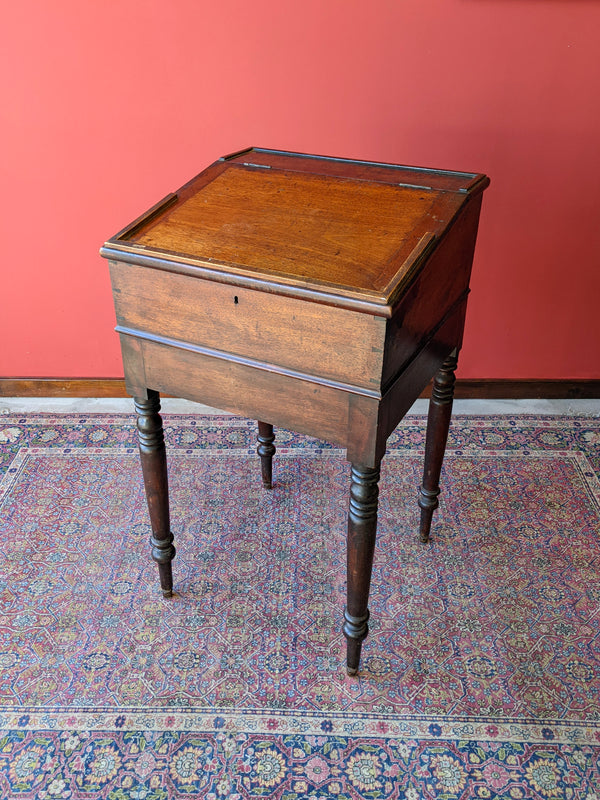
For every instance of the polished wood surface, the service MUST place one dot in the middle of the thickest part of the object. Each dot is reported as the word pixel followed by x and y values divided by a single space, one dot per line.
pixel 304 226
pixel 352 234
pixel 316 294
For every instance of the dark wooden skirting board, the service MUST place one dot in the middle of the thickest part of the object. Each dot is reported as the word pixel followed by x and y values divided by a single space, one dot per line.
pixel 587 389
pixel 62 387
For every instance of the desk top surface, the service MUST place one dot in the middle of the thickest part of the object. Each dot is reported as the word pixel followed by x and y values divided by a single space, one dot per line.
pixel 347 228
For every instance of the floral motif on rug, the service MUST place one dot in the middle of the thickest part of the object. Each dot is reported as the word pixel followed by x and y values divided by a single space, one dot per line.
pixel 480 676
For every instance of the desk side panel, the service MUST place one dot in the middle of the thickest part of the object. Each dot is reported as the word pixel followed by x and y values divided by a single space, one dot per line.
pixel 323 341
pixel 432 296
pixel 410 383
pixel 372 421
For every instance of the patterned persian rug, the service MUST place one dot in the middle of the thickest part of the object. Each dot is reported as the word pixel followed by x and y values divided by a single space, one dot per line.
pixel 480 677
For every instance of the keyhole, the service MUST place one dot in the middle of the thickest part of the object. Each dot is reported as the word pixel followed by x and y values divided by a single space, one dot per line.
pixel 235 299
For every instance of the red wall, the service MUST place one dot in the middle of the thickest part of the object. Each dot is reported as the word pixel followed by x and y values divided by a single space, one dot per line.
pixel 107 105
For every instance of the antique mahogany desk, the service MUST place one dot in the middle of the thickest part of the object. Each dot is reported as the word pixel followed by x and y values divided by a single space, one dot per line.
pixel 318 294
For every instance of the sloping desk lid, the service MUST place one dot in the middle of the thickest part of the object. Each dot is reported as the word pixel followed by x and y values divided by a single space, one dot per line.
pixel 348 232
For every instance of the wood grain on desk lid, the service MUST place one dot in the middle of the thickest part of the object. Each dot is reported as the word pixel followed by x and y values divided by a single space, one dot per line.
pixel 316 229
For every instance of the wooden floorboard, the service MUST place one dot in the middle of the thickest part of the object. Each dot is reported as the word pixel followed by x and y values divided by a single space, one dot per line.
pixel 483 389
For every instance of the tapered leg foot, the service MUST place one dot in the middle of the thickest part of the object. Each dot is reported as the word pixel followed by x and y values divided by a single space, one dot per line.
pixel 438 423
pixel 154 469
pixel 266 451
pixel 362 530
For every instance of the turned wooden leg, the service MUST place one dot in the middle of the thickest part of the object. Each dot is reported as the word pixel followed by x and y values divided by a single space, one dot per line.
pixel 362 528
pixel 438 422
pixel 266 451
pixel 154 468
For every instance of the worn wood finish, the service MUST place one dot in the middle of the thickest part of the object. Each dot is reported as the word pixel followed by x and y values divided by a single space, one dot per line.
pixel 241 322
pixel 319 294
pixel 266 450
pixel 304 225
pixel 354 240
pixel 438 423
pixel 317 410
pixel 154 469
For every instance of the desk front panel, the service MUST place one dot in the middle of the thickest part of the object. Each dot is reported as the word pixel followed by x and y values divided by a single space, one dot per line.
pixel 319 340
pixel 325 412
